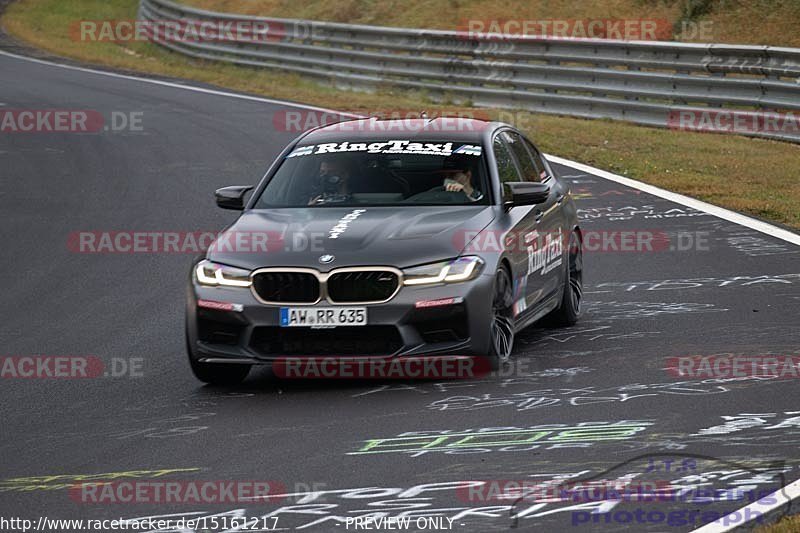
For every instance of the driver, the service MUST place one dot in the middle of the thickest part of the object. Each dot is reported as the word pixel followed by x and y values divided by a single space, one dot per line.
pixel 332 183
pixel 461 180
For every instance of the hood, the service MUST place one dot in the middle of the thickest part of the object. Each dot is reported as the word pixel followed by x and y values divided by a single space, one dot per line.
pixel 393 236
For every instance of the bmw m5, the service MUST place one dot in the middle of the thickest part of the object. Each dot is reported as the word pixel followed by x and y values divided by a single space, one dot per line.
pixel 387 240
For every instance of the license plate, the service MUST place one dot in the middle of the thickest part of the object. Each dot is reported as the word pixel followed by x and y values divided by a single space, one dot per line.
pixel 323 317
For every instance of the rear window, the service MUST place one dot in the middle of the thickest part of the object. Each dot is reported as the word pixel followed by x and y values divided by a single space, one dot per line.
pixel 375 173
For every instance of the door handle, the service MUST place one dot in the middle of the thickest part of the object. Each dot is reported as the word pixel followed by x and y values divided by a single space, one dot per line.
pixel 538 216
pixel 560 199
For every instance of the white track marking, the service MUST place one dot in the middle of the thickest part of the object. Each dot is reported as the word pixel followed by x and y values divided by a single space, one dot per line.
pixel 781 496
pixel 717 211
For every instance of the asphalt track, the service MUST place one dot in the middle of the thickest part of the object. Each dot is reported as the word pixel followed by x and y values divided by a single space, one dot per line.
pixel 610 369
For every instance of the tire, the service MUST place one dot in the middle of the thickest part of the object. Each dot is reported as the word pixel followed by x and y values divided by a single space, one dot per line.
pixel 220 374
pixel 569 311
pixel 501 334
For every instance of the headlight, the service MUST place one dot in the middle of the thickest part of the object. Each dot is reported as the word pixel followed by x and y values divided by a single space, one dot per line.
pixel 460 269
pixel 209 273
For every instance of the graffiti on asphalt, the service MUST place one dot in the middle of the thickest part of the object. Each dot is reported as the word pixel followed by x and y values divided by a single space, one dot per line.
pixel 505 439
pixel 751 244
pixel 695 480
pixel 704 283
pixel 744 421
pixel 616 310
pixel 603 332
pixel 537 399
pixel 65 481
pixel 612 213
pixel 530 377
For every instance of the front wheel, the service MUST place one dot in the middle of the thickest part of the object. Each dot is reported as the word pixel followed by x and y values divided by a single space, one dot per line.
pixel 502 325
pixel 569 311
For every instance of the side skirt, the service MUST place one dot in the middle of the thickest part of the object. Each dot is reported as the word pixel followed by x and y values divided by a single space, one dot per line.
pixel 551 303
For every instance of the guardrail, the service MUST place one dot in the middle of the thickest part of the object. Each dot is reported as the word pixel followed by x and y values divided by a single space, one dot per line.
pixel 647 82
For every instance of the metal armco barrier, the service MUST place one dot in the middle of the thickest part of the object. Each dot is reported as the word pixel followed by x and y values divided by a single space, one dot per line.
pixel 656 83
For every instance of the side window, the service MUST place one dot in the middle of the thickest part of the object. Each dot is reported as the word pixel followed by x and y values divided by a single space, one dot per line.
pixel 530 172
pixel 538 160
pixel 506 168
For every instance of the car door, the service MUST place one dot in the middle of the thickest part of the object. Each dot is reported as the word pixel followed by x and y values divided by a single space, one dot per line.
pixel 558 219
pixel 545 247
pixel 521 226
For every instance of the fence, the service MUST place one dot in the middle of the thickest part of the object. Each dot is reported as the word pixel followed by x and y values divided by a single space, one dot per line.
pixel 655 83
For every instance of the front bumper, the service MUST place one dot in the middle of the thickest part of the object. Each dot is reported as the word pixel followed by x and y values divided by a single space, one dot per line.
pixel 252 333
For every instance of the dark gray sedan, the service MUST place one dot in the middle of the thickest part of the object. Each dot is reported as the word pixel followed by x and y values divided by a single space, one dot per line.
pixel 387 239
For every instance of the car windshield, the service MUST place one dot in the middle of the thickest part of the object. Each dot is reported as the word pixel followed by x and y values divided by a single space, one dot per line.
pixel 379 173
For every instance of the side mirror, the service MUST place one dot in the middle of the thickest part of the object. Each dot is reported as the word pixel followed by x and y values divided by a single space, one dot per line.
pixel 232 197
pixel 527 193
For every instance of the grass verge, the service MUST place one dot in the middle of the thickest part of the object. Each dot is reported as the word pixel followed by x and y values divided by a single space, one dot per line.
pixel 720 21
pixel 788 524
pixel 753 176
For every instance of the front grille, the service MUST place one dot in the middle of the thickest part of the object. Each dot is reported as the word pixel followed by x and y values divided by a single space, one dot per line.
pixel 362 286
pixel 345 340
pixel 286 287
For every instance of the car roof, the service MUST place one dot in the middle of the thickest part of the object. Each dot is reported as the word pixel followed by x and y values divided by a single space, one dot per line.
pixel 454 129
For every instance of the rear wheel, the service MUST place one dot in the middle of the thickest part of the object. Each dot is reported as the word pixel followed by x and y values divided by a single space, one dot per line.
pixel 502 326
pixel 570 310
